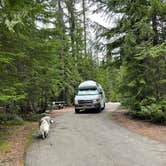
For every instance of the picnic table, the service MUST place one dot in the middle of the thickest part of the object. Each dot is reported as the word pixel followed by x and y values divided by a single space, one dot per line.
pixel 57 105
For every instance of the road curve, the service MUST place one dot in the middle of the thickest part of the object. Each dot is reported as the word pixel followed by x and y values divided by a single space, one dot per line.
pixel 94 140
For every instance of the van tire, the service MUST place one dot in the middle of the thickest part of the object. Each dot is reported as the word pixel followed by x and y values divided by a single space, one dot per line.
pixel 103 107
pixel 77 111
pixel 99 108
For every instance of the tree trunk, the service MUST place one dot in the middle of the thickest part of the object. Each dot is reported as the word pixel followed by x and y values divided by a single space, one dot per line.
pixel 84 22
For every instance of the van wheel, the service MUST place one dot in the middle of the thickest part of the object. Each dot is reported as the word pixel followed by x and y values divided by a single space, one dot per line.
pixel 77 111
pixel 103 107
pixel 99 108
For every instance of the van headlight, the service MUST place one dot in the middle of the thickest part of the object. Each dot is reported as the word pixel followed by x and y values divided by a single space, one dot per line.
pixel 96 100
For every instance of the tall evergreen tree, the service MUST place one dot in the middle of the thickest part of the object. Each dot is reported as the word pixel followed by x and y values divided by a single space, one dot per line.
pixel 138 37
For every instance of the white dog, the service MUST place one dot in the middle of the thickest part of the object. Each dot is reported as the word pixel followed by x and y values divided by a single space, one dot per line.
pixel 44 126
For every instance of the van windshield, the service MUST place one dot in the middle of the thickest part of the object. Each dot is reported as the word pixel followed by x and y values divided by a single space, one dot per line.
pixel 88 92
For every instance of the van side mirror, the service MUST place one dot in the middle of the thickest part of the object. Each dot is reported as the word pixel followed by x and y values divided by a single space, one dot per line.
pixel 101 92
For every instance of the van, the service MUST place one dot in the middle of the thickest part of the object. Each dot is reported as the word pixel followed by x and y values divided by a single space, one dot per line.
pixel 90 96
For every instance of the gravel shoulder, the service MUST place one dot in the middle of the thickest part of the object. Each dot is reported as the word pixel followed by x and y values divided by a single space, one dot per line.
pixel 94 140
pixel 154 131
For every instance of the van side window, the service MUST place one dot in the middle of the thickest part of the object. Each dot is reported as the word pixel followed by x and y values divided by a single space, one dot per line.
pixel 100 91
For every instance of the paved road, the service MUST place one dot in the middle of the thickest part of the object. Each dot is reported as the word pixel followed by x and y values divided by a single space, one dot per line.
pixel 94 140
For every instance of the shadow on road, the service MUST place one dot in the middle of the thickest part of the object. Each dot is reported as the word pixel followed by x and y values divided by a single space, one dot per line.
pixel 90 111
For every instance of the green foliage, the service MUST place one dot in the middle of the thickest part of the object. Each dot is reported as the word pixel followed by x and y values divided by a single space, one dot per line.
pixel 12 118
pixel 140 65
pixel 33 117
pixel 144 114
pixel 103 77
pixel 42 56
pixel 158 116
pixel 155 112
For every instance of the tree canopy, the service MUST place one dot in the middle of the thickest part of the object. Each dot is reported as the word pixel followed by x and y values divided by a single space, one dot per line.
pixel 45 52
pixel 136 55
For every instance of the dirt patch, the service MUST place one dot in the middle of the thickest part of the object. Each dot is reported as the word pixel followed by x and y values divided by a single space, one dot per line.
pixel 59 112
pixel 153 131
pixel 16 136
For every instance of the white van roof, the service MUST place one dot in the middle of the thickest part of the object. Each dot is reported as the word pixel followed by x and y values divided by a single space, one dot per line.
pixel 87 84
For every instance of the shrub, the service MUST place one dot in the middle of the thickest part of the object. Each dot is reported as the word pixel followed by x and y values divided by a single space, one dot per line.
pixel 143 114
pixel 148 101
pixel 10 117
pixel 33 116
pixel 158 116
pixel 154 112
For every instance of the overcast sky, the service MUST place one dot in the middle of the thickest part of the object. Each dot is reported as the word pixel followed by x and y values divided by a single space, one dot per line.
pixel 99 18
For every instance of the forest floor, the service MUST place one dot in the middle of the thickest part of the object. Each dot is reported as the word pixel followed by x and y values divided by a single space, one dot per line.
pixel 154 131
pixel 14 139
